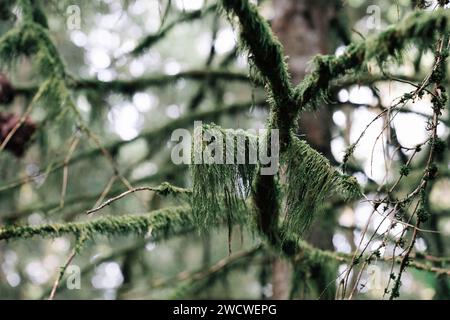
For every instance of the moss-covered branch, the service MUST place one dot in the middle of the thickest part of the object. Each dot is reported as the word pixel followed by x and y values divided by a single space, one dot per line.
pixel 311 175
pixel 163 220
pixel 420 28
pixel 309 254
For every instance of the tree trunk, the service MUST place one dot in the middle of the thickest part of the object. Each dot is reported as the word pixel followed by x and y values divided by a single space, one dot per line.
pixel 302 26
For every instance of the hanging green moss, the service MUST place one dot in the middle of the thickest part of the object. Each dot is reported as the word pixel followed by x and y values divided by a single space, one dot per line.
pixel 221 183
pixel 309 180
pixel 310 177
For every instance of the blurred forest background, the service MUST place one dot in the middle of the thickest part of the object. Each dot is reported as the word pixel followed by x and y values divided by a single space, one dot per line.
pixel 138 69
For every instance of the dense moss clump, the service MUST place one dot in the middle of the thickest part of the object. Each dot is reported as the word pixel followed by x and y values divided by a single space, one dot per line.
pixel 309 180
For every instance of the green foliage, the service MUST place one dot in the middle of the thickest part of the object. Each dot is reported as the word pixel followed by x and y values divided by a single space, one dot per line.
pixel 313 263
pixel 32 40
pixel 405 170
pixel 309 180
pixel 418 28
pixel 310 176
pixel 219 189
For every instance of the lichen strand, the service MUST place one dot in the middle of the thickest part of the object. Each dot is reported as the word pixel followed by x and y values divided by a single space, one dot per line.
pixel 159 221
pixel 220 190
pixel 309 180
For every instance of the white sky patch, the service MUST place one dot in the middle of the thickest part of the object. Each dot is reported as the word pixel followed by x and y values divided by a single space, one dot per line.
pixel 423 106
pixel 60 245
pixel 138 7
pixel 115 19
pixel 125 121
pixel 9 268
pixel 343 95
pixel 145 169
pixel 98 58
pixel 339 118
pixel 10 257
pixel 380 221
pixel 361 177
pixel 362 95
pixel 152 60
pixel 391 90
pixel 226 41
pixel 396 231
pixel 341 243
pixel 362 213
pixel 446 228
pixel 83 104
pixel 173 111
pixel 144 102
pixel 150 246
pixel 137 68
pixel 126 46
pixel 203 44
pixel 172 67
pixel 51 262
pixel 104 38
pixel 338 148
pixel 13 279
pixel 37 272
pixel 106 75
pixel 420 245
pixel 134 31
pixel 151 25
pixel 35 219
pixel 107 276
pixel 340 50
pixel 347 217
pixel 363 152
pixel 78 38
pixel 410 129
pixel 189 5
